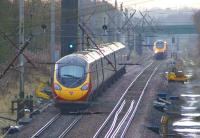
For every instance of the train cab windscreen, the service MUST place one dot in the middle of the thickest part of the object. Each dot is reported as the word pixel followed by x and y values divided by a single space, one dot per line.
pixel 160 44
pixel 71 74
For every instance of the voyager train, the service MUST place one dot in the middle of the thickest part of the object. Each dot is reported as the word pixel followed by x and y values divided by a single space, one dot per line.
pixel 160 49
pixel 80 76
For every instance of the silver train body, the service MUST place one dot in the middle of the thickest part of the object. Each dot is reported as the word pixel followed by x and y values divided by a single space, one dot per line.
pixel 80 76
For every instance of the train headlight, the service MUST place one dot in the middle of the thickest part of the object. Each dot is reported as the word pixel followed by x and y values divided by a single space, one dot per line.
pixel 57 87
pixel 85 87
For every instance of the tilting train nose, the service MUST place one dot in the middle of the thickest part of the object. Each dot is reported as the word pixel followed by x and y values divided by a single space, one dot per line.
pixel 71 94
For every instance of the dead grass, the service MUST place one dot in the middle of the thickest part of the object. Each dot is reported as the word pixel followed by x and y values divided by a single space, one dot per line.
pixel 7 95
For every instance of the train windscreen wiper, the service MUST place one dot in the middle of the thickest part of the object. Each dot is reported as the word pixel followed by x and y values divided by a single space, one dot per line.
pixel 71 76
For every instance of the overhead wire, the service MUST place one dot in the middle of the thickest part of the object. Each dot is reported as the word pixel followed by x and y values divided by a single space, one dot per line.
pixel 11 64
pixel 95 12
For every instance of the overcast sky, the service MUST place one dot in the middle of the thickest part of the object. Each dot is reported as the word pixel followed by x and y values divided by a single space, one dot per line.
pixel 147 4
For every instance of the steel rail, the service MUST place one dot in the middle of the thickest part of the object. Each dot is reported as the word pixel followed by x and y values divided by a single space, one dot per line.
pixel 41 130
pixel 123 119
pixel 64 133
pixel 137 105
pixel 115 120
pixel 118 103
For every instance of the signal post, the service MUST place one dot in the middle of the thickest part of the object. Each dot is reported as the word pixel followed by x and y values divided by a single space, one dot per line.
pixel 69 26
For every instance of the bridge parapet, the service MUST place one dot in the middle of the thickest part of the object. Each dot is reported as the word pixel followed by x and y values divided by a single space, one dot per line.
pixel 168 29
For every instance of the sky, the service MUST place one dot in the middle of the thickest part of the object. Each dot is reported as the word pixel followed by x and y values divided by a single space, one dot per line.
pixel 148 4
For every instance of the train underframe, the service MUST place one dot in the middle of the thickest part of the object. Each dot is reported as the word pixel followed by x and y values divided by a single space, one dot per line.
pixel 160 55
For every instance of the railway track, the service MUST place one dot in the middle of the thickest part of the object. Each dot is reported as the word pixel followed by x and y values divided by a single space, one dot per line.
pixel 65 123
pixel 122 115
pixel 119 119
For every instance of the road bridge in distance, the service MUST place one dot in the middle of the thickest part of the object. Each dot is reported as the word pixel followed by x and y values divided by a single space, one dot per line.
pixel 167 29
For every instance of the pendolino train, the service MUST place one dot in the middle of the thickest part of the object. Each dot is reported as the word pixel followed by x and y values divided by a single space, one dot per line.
pixel 160 49
pixel 80 76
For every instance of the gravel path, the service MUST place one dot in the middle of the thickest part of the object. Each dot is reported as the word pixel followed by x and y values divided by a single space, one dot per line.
pixel 37 122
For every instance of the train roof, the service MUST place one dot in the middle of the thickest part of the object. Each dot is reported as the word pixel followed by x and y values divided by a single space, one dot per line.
pixel 93 54
pixel 164 41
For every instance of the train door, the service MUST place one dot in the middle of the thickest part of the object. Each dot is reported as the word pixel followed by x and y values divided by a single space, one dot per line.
pixel 93 76
pixel 102 70
pixel 99 72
